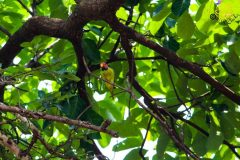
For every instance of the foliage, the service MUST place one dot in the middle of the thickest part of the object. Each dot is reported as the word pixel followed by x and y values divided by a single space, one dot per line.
pixel 43 77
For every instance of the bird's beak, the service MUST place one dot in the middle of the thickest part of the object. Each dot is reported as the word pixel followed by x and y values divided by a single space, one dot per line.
pixel 103 65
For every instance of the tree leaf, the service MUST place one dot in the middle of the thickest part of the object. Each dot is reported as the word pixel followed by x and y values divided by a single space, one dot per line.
pixel 162 144
pixel 91 51
pixel 159 18
pixel 127 143
pixel 214 140
pixel 180 6
pixel 134 154
pixel 185 26
pixel 199 144
pixel 227 127
pixel 72 107
pixel 71 77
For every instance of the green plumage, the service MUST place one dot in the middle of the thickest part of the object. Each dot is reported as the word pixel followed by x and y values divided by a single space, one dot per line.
pixel 108 75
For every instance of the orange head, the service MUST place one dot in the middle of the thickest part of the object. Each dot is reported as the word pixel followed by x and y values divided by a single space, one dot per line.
pixel 104 66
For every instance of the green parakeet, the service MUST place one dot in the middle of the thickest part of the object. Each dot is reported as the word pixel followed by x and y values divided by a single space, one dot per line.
pixel 107 74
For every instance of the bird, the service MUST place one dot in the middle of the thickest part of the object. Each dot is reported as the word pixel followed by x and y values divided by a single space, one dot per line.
pixel 107 74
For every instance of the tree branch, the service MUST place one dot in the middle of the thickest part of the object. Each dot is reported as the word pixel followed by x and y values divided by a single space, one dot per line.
pixel 34 26
pixel 37 135
pixel 172 58
pixel 12 147
pixel 40 115
pixel 149 101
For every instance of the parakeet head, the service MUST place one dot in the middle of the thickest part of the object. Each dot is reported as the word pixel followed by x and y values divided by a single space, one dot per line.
pixel 104 66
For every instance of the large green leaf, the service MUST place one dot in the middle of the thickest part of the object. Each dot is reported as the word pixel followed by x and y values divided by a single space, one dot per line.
pixel 159 18
pixel 109 110
pixel 58 10
pixel 104 140
pixel 227 127
pixel 91 51
pixel 199 144
pixel 185 26
pixel 180 6
pixel 72 107
pixel 162 144
pixel 134 154
pixel 204 22
pixel 214 140
pixel 128 143
pixel 124 130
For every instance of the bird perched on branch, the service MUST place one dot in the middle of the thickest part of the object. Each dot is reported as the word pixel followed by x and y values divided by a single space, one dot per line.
pixel 107 74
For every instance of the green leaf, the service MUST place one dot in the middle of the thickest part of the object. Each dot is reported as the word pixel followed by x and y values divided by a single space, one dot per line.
pixel 127 143
pixel 23 128
pixel 122 14
pixel 72 107
pixel 199 144
pixel 62 128
pixel 232 61
pixel 180 6
pixel 58 10
pixel 124 130
pixel 171 44
pixel 46 123
pixel 159 18
pixel 96 31
pixel 143 5
pixel 109 110
pixel 162 144
pixel 185 26
pixel 214 140
pixel 49 130
pixel 237 47
pixel 134 154
pixel 91 51
pixel 104 140
pixel 204 23
pixel 71 77
pixel 227 127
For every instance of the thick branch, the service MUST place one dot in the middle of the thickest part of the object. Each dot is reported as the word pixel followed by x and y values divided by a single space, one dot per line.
pixel 33 27
pixel 40 115
pixel 172 58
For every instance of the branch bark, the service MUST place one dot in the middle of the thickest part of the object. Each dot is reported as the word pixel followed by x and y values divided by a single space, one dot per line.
pixel 34 26
pixel 41 115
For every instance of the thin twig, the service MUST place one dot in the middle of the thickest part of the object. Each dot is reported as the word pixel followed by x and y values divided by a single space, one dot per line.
pixel 175 90
pixel 5 31
pixel 105 39
pixel 35 3
pixel 25 7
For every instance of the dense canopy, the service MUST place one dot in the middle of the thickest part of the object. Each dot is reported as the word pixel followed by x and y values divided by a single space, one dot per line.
pixel 176 85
